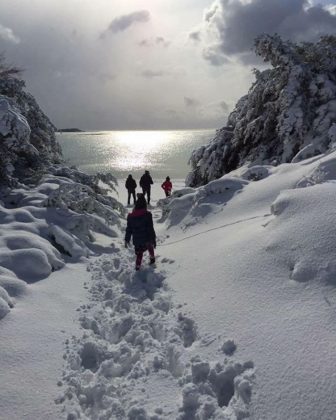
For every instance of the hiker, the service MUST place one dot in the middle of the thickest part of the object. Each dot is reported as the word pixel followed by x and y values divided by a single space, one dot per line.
pixel 130 185
pixel 145 184
pixel 167 186
pixel 140 226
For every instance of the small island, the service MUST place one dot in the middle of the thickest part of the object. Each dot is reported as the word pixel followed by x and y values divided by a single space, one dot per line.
pixel 70 130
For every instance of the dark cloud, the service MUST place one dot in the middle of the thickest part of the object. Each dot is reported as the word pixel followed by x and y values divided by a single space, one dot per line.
pixel 151 74
pixel 144 43
pixel 159 40
pixel 195 36
pixel 121 23
pixel 190 102
pixel 236 24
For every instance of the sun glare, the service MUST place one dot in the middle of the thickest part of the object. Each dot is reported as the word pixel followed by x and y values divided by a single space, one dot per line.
pixel 138 150
pixel 142 141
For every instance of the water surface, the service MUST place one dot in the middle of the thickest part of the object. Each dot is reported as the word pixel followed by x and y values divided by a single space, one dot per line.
pixel 122 152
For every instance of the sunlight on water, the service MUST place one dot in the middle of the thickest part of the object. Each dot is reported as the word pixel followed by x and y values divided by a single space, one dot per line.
pixel 121 152
pixel 138 148
pixel 143 141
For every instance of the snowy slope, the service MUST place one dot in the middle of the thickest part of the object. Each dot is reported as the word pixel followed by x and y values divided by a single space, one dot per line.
pixel 268 284
pixel 236 320
pixel 32 340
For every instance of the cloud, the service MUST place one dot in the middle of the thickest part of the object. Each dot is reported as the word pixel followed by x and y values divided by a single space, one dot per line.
pixel 331 8
pixel 195 36
pixel 122 23
pixel 145 43
pixel 150 74
pixel 224 106
pixel 7 34
pixel 232 25
pixel 114 85
pixel 214 56
pixel 190 102
pixel 158 40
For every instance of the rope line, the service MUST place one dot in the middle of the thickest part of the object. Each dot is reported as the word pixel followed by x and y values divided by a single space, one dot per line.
pixel 218 227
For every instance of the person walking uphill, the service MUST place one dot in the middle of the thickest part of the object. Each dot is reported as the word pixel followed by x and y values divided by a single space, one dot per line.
pixel 167 186
pixel 140 227
pixel 130 185
pixel 145 183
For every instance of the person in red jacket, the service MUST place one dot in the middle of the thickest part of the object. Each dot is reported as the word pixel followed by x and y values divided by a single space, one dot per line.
pixel 167 186
pixel 140 227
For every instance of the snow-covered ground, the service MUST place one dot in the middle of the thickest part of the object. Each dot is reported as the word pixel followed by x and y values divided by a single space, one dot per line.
pixel 236 320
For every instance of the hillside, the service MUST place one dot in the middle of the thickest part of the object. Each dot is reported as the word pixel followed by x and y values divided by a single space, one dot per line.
pixel 288 114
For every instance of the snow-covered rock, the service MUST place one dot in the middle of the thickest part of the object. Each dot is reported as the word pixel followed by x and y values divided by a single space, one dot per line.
pixel 288 114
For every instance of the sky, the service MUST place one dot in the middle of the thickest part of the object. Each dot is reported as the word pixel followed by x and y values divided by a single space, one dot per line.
pixel 147 64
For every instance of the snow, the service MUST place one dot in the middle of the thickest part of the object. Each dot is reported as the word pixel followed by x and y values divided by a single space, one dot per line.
pixel 236 320
pixel 32 339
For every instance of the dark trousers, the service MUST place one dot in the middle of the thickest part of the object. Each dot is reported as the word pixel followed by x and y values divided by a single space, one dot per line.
pixel 139 253
pixel 167 192
pixel 131 193
pixel 147 190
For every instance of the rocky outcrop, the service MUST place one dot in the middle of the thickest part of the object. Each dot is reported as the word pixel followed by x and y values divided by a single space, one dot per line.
pixel 288 114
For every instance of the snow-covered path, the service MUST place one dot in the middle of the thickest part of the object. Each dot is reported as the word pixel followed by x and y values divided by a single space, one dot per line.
pixel 140 353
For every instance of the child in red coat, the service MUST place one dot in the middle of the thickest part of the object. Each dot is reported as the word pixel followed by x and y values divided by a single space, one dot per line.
pixel 167 186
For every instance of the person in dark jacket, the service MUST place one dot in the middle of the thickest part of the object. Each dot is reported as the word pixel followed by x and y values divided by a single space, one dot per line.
pixel 145 183
pixel 167 186
pixel 130 185
pixel 140 227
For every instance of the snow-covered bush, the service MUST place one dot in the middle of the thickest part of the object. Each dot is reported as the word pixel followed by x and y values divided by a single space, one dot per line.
pixel 289 108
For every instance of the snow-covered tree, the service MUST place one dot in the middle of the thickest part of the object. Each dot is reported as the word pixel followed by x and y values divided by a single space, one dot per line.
pixel 27 137
pixel 288 114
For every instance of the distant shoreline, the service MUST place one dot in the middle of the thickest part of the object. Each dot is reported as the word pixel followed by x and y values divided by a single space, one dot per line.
pixel 69 130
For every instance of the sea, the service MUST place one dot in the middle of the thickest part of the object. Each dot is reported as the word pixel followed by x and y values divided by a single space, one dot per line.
pixel 163 153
